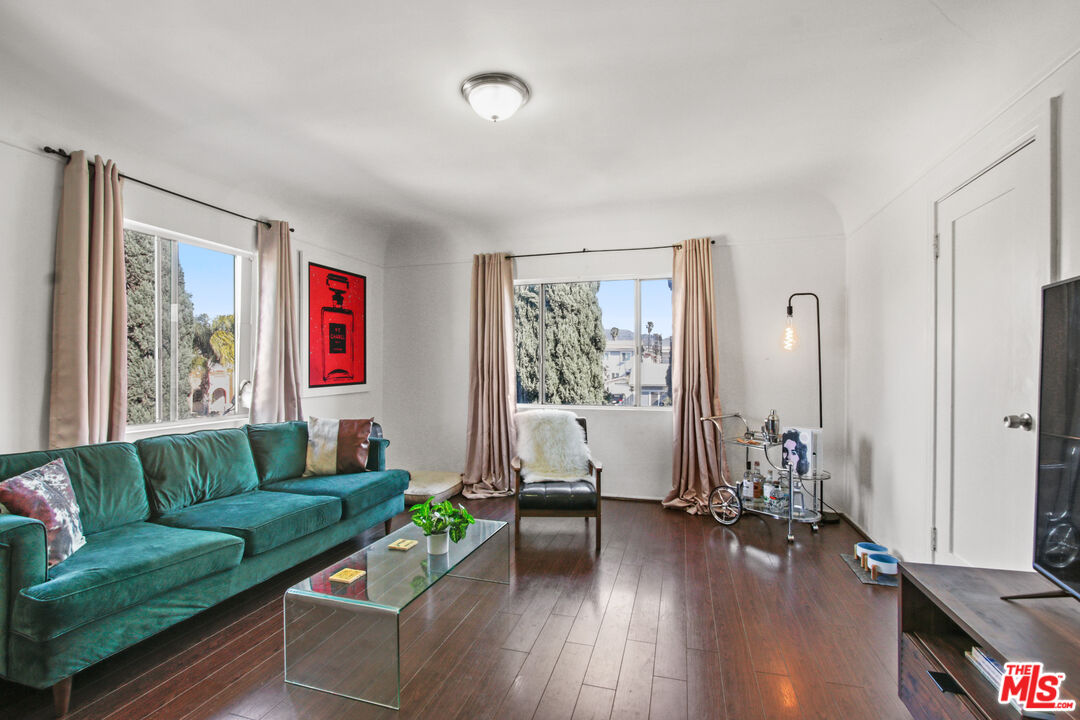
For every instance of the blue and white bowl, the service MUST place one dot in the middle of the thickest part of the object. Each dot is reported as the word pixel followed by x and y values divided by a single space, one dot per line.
pixel 863 549
pixel 881 564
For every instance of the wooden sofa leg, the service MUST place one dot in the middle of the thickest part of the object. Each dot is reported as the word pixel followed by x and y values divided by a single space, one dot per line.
pixel 597 533
pixel 61 693
pixel 386 526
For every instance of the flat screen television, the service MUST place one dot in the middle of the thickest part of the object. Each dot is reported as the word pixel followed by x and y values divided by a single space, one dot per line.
pixel 1057 500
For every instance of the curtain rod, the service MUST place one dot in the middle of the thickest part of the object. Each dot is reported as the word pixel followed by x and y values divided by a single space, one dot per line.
pixel 65 154
pixel 587 250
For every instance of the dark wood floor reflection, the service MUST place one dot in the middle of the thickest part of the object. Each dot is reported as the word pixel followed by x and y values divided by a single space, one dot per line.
pixel 678 617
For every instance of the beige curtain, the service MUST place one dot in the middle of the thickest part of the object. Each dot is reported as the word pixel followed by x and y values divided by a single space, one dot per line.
pixel 697 453
pixel 88 391
pixel 489 444
pixel 276 389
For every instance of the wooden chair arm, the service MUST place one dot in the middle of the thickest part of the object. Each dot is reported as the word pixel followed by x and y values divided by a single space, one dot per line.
pixel 596 465
pixel 515 465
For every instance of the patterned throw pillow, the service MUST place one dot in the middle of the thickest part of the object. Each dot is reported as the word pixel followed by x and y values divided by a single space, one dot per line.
pixel 45 494
pixel 337 446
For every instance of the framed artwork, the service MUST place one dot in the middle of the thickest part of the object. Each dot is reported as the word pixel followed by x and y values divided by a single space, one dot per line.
pixel 337 326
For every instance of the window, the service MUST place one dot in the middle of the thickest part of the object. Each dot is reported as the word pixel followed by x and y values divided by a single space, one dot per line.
pixel 189 326
pixel 606 342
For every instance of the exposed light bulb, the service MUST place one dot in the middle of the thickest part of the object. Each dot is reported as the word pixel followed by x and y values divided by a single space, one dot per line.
pixel 790 339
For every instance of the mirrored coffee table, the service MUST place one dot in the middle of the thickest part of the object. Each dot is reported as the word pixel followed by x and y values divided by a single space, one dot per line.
pixel 344 638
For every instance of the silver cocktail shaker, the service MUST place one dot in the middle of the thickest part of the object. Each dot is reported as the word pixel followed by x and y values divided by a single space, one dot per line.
pixel 772 426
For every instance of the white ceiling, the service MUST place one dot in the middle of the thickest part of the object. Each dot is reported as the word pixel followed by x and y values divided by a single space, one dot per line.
pixel 357 103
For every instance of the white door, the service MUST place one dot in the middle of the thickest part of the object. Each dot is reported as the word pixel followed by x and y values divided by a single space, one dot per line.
pixel 994 247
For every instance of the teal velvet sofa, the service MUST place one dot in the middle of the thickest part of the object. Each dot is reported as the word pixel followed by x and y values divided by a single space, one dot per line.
pixel 173 525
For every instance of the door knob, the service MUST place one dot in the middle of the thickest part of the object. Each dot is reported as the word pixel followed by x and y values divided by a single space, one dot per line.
pixel 1023 420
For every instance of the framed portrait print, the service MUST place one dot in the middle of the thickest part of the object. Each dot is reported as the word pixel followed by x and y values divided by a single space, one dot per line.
pixel 337 326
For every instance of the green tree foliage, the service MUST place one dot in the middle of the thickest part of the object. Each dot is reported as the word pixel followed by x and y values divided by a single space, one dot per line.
pixel 187 353
pixel 139 263
pixel 199 340
pixel 222 340
pixel 200 335
pixel 527 342
pixel 573 344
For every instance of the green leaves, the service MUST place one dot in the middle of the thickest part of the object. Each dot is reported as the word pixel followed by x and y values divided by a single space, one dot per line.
pixel 574 342
pixel 442 517
pixel 527 341
pixel 149 265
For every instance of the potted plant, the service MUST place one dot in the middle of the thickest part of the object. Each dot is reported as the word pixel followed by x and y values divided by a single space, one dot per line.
pixel 440 523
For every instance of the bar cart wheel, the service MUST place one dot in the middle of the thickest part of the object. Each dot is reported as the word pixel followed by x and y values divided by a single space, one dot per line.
pixel 791 538
pixel 725 505
pixel 814 527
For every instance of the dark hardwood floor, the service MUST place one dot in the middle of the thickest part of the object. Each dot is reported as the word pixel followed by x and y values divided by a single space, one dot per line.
pixel 678 617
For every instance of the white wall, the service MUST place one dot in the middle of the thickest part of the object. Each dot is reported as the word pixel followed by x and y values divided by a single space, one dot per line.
pixel 890 285
pixel 29 200
pixel 767 247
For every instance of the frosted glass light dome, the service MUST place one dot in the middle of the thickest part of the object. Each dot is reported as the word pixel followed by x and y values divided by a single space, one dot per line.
pixel 495 96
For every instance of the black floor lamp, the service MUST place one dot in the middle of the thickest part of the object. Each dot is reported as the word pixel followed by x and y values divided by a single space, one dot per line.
pixel 789 344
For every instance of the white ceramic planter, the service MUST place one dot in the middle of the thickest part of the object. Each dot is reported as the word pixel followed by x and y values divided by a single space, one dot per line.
pixel 438 544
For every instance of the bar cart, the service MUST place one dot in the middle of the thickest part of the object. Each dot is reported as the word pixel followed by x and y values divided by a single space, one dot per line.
pixel 799 495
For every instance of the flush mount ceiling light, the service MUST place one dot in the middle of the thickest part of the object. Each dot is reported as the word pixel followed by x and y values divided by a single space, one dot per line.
pixel 495 96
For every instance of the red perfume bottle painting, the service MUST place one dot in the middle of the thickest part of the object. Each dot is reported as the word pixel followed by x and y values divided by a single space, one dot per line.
pixel 336 327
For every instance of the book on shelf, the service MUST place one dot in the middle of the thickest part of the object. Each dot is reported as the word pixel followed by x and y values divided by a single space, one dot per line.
pixel 993 671
pixel 987 670
pixel 994 664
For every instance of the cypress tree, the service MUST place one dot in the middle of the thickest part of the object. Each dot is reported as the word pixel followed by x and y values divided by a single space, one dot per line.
pixel 574 343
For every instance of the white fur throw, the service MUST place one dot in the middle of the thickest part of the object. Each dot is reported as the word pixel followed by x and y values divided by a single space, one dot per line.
pixel 551 446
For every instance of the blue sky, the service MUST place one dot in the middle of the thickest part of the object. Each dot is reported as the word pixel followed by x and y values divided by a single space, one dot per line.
pixel 210 278
pixel 617 303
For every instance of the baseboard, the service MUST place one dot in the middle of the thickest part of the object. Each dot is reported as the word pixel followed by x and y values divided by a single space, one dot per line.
pixel 855 526
pixel 633 498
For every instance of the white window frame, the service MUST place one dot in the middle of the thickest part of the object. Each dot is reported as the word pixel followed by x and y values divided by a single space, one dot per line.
pixel 245 286
pixel 638 279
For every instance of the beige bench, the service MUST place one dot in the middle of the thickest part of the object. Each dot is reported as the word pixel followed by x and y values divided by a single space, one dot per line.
pixel 438 486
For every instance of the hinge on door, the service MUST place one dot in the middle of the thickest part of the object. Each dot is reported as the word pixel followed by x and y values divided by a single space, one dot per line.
pixel 937 245
pixel 933 539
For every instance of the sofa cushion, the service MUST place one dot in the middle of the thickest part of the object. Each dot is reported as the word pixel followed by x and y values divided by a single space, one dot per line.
pixel 117 569
pixel 558 495
pixel 280 449
pixel 107 479
pixel 357 491
pixel 264 520
pixel 182 470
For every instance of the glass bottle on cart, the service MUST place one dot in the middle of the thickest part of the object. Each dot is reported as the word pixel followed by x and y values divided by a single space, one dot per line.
pixel 338 327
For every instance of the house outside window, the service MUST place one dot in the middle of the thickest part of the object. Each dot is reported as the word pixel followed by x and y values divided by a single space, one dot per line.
pixel 189 327
pixel 604 342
